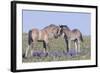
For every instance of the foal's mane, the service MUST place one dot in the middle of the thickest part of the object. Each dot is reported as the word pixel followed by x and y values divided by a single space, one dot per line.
pixel 64 27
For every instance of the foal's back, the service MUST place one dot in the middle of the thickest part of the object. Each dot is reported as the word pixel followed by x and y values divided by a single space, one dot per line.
pixel 44 33
pixel 76 32
pixel 38 34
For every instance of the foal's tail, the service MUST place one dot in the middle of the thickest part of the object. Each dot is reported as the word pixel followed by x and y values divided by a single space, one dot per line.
pixel 30 37
pixel 81 37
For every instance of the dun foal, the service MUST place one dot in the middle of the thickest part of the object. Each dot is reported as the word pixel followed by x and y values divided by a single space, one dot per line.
pixel 44 35
pixel 71 35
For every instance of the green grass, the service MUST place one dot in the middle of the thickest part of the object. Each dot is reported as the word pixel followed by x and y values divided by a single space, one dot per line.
pixel 58 45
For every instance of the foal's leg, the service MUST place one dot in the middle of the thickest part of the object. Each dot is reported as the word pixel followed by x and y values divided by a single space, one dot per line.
pixel 69 44
pixel 76 47
pixel 78 44
pixel 29 49
pixel 45 47
pixel 33 46
pixel 26 52
pixel 67 47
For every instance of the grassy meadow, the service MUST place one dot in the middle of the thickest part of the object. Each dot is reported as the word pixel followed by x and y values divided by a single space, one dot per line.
pixel 59 46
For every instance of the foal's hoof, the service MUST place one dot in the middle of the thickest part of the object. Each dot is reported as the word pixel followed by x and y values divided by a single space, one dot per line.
pixel 65 52
pixel 46 54
pixel 23 55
